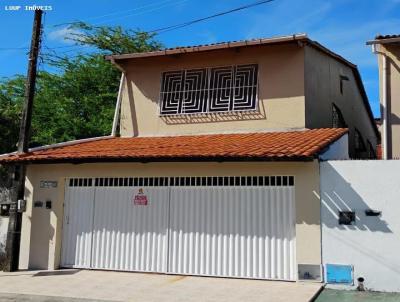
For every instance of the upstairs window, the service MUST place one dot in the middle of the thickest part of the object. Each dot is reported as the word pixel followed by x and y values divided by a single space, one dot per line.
pixel 207 90
pixel 359 145
pixel 371 151
pixel 337 118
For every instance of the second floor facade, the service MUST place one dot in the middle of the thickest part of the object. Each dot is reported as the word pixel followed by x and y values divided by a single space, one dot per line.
pixel 276 84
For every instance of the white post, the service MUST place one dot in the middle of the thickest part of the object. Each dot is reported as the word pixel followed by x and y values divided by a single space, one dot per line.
pixel 385 123
pixel 117 107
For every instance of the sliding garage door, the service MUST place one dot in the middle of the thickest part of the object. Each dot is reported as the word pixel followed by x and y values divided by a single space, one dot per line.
pixel 234 232
pixel 214 226
pixel 78 224
pixel 127 236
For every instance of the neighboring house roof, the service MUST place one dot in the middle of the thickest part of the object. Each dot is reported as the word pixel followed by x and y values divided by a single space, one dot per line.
pixel 291 145
pixel 298 38
pixel 381 37
pixel 384 39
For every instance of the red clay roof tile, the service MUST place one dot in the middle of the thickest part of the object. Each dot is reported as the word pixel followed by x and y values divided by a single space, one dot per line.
pixel 289 145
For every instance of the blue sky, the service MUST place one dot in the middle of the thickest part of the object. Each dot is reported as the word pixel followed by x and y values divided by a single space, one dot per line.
pixel 341 25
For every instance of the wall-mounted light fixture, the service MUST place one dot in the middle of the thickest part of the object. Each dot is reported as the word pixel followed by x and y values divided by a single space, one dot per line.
pixel 370 212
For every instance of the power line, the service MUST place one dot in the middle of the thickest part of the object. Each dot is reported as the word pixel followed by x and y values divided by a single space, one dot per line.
pixel 180 25
pixel 140 10
pixel 145 11
pixel 13 48
pixel 188 23
pixel 184 24
pixel 122 12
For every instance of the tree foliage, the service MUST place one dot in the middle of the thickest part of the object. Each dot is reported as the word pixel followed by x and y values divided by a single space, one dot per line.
pixel 77 100
pixel 112 39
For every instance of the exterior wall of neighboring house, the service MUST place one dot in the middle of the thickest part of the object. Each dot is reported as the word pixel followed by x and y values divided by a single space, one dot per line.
pixel 42 228
pixel 280 92
pixel 372 243
pixel 392 52
pixel 323 89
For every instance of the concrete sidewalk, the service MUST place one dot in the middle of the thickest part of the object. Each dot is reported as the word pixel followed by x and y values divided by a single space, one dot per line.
pixel 121 286
pixel 37 298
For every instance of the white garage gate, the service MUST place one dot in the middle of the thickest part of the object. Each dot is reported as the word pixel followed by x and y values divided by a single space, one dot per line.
pixel 215 226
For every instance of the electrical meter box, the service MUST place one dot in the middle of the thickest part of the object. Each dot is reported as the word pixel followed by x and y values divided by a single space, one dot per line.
pixel 339 273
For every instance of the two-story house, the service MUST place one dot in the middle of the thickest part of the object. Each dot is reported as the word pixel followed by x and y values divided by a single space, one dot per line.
pixel 215 172
pixel 387 48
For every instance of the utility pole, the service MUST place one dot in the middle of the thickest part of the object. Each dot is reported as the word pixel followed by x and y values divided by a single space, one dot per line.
pixel 15 220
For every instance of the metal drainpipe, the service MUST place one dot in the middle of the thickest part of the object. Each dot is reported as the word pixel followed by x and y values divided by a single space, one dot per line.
pixel 118 107
pixel 385 122
pixel 384 103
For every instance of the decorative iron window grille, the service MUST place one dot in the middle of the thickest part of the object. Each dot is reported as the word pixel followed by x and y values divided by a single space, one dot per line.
pixel 337 118
pixel 220 89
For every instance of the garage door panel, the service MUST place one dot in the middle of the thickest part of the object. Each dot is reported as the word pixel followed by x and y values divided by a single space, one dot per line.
pixel 78 219
pixel 232 231
pixel 209 226
pixel 128 236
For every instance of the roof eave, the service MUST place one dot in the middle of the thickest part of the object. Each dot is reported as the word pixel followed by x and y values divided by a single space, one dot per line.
pixel 193 49
pixel 163 159
pixel 384 41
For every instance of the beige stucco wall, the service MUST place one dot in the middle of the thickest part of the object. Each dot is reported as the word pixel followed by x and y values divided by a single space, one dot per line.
pixel 392 52
pixel 322 86
pixel 42 228
pixel 281 92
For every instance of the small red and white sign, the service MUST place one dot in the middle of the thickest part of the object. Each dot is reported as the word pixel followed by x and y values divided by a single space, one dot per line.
pixel 140 199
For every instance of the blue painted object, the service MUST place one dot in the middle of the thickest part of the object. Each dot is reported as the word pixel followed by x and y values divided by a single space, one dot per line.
pixel 336 273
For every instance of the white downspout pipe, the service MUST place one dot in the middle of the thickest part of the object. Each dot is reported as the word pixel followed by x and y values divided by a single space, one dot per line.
pixel 118 107
pixel 385 123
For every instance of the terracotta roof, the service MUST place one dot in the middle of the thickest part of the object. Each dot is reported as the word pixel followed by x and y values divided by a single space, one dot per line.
pixel 292 145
